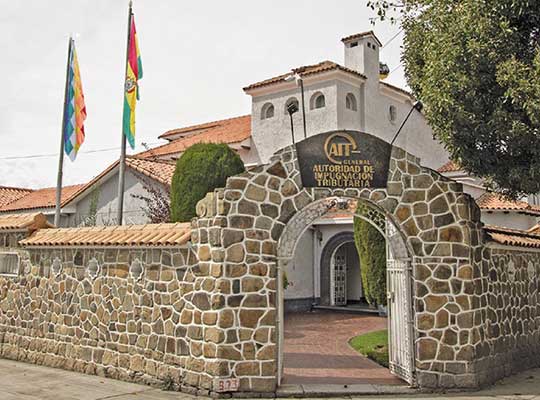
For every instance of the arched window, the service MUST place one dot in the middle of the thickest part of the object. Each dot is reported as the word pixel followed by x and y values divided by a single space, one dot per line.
pixel 289 102
pixel 267 111
pixel 350 102
pixel 317 101
pixel 392 114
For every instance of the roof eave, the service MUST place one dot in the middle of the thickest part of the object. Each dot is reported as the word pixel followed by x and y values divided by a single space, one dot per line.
pixel 271 87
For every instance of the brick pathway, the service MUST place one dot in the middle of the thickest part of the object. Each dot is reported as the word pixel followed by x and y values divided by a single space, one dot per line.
pixel 317 349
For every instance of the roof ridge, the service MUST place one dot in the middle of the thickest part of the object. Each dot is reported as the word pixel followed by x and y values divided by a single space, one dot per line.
pixel 201 125
pixel 306 70
pixel 235 130
pixel 16 188
pixel 157 160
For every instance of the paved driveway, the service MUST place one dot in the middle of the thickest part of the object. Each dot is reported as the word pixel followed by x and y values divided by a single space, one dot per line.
pixel 317 350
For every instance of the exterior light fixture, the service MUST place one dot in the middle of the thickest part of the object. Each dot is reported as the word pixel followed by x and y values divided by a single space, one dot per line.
pixel 291 109
pixel 294 75
pixel 418 106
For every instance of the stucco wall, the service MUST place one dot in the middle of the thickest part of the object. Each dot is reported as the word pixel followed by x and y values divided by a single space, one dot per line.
pixel 272 134
pixel 509 220
pixel 372 116
pixel 300 273
pixel 108 202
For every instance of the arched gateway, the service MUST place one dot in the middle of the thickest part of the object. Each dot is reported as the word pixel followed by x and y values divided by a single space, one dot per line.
pixel 401 358
pixel 246 233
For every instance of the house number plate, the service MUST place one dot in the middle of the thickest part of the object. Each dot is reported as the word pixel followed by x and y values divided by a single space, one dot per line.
pixel 227 384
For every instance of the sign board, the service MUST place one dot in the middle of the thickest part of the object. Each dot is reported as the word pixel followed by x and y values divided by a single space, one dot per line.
pixel 226 384
pixel 344 159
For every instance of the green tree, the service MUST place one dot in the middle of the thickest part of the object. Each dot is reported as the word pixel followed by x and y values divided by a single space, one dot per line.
pixel 475 64
pixel 371 247
pixel 202 168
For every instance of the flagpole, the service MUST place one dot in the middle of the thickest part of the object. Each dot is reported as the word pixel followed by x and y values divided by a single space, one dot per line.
pixel 61 154
pixel 122 162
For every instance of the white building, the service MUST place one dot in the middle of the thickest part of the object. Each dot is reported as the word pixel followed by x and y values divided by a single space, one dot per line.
pixel 347 96
pixel 350 96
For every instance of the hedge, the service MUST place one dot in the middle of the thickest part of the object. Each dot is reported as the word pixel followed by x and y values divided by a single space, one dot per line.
pixel 371 246
pixel 202 168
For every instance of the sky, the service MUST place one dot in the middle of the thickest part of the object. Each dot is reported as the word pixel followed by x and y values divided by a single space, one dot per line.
pixel 197 56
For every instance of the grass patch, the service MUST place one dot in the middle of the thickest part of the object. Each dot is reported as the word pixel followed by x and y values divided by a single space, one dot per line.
pixel 373 345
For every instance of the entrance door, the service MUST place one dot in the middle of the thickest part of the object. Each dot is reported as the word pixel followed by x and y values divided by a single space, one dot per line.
pixel 340 277
pixel 400 320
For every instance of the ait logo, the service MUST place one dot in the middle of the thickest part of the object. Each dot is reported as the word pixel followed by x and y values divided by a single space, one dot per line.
pixel 339 146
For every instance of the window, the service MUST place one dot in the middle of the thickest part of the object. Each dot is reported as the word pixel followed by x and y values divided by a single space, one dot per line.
pixel 9 264
pixel 289 102
pixel 350 102
pixel 317 101
pixel 392 114
pixel 267 111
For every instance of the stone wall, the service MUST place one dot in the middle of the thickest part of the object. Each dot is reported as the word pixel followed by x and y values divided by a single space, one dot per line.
pixel 142 315
pixel 189 318
pixel 259 216
pixel 510 313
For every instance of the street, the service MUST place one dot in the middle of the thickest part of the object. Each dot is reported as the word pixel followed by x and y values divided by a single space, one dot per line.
pixel 20 381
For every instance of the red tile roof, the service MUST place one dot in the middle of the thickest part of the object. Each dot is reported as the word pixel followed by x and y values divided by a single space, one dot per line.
pixel 361 35
pixel 28 221
pixel 512 237
pixel 159 170
pixel 493 201
pixel 201 127
pixel 9 194
pixel 450 166
pixel 41 198
pixel 316 69
pixel 229 131
pixel 305 71
pixel 175 234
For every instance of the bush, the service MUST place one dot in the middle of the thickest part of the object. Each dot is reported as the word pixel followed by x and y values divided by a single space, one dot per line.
pixel 202 168
pixel 371 246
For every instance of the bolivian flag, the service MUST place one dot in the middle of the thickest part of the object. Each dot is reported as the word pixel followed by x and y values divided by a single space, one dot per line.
pixel 131 90
pixel 74 107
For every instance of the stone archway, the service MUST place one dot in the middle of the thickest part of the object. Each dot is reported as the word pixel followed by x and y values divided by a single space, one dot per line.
pixel 236 238
pixel 398 254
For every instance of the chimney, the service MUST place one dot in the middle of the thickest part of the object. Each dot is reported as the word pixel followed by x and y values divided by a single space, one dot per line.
pixel 362 54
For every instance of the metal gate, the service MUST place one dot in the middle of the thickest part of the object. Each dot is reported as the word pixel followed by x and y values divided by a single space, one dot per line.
pixel 339 277
pixel 400 317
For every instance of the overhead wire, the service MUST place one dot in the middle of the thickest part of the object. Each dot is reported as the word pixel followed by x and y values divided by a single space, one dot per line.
pixel 56 154
pixel 392 38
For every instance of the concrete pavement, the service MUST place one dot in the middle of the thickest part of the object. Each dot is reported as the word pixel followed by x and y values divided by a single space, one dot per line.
pixel 22 381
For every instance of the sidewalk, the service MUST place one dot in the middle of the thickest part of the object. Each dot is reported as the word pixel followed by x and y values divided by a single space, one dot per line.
pixel 22 381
